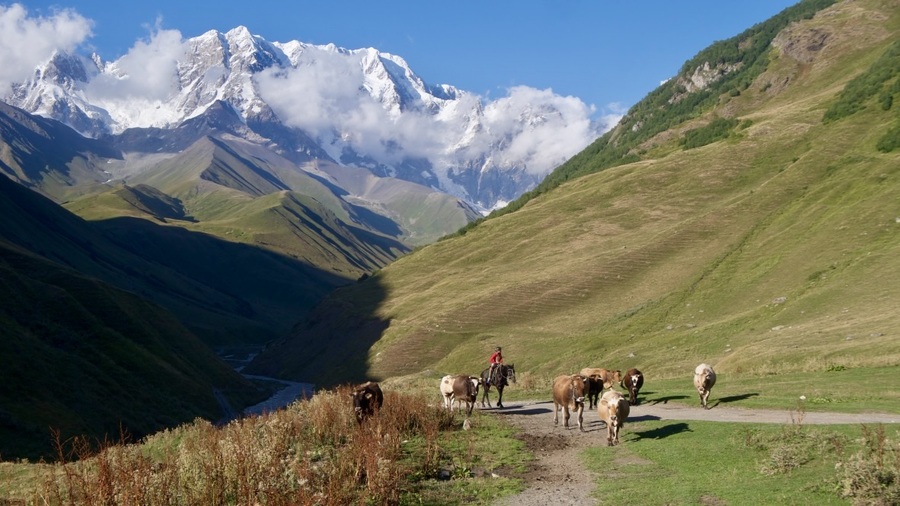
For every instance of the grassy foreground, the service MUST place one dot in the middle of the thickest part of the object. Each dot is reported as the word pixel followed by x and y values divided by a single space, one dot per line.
pixel 666 462
pixel 413 452
pixel 313 452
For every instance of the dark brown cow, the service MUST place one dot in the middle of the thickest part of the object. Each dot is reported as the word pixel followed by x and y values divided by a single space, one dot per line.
pixel 367 399
pixel 613 411
pixel 568 394
pixel 598 380
pixel 460 388
pixel 633 381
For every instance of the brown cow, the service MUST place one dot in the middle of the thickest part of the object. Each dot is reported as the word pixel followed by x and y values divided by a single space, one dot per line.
pixel 568 393
pixel 704 379
pixel 460 388
pixel 633 381
pixel 613 410
pixel 598 380
pixel 367 399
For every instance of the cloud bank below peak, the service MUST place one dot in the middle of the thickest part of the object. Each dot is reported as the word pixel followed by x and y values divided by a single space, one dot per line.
pixel 329 96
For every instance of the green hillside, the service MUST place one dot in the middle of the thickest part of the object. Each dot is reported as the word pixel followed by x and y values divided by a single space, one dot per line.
pixel 729 224
pixel 86 359
pixel 225 292
pixel 243 192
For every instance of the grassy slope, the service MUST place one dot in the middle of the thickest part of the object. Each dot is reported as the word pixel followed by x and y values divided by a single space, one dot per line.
pixel 223 291
pixel 84 358
pixel 241 192
pixel 774 249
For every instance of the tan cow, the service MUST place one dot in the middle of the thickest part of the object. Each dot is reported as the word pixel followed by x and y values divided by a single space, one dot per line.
pixel 613 410
pixel 598 380
pixel 459 388
pixel 704 379
pixel 568 394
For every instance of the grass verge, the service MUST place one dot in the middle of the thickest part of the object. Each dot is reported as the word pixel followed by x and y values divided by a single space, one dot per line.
pixel 673 462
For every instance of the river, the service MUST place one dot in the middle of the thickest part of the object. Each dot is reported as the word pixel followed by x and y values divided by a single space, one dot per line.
pixel 290 392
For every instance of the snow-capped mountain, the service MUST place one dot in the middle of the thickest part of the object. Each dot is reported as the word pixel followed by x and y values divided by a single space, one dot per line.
pixel 356 107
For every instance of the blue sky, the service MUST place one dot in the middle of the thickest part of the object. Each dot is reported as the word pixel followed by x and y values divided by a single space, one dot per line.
pixel 607 53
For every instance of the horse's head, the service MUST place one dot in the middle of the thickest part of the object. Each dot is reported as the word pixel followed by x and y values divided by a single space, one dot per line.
pixel 511 373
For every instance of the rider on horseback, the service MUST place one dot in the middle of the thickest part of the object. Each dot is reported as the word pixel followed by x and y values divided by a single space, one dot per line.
pixel 495 360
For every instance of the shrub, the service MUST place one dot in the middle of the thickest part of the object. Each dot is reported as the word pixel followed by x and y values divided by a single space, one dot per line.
pixel 717 129
pixel 872 475
pixel 890 141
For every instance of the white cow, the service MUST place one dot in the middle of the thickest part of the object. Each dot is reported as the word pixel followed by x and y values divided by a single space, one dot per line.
pixel 459 388
pixel 613 410
pixel 704 379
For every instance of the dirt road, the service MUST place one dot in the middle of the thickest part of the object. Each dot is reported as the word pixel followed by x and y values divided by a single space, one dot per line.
pixel 558 476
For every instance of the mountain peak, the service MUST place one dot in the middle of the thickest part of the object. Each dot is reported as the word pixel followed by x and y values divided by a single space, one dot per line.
pixel 239 32
pixel 358 106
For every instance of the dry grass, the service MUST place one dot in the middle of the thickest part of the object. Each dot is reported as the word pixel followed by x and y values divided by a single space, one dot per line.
pixel 313 452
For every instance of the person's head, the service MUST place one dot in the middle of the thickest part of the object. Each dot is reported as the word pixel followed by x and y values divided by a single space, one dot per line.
pixel 498 348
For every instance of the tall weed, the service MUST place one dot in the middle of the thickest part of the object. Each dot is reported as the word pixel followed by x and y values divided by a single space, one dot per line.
pixel 313 452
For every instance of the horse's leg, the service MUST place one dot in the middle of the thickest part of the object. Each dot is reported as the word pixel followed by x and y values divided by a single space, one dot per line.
pixel 500 396
pixel 485 396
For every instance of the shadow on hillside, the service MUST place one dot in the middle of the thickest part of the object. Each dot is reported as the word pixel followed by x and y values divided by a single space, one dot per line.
pixel 331 346
pixel 224 291
pixel 735 398
pixel 663 432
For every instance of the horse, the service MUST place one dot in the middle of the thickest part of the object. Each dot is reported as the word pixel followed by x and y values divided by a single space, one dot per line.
pixel 505 374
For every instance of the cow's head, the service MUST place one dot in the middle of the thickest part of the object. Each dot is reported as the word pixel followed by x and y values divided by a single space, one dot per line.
pixel 363 404
pixel 635 379
pixel 472 387
pixel 579 387
pixel 615 376
pixel 612 405
pixel 705 377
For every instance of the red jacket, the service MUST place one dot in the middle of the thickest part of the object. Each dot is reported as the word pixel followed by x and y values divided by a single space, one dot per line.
pixel 496 358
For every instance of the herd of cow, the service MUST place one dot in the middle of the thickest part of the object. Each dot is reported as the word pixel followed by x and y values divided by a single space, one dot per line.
pixel 569 392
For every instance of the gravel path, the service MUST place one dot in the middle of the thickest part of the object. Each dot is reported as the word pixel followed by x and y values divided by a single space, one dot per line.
pixel 558 477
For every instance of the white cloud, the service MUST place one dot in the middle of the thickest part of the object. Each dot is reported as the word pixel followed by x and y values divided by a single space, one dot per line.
pixel 148 71
pixel 326 95
pixel 536 129
pixel 29 41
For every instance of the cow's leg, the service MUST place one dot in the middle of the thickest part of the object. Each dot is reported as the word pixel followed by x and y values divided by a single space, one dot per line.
pixel 581 417
pixel 555 413
pixel 566 416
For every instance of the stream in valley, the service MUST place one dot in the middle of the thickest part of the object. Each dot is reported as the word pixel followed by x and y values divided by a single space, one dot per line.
pixel 289 392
